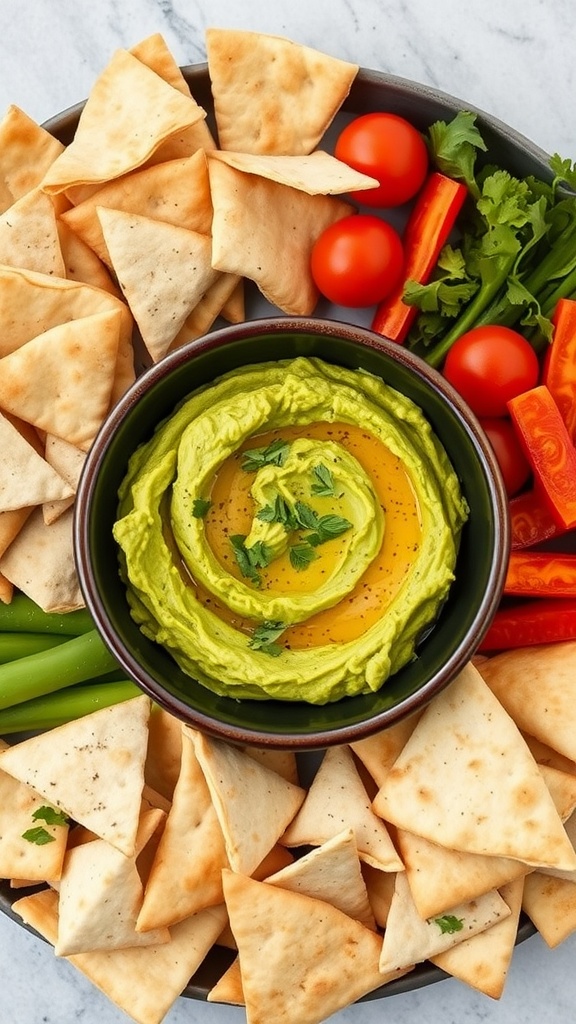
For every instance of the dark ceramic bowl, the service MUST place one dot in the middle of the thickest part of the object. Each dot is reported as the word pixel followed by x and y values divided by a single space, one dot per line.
pixel 481 561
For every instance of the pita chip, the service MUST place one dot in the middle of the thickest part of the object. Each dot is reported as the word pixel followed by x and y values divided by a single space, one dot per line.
pixel 26 152
pixel 337 800
pixel 301 959
pixel 211 305
pixel 234 309
pixel 62 380
pixel 228 988
pixel 76 767
pixel 283 762
pixel 176 191
pixel 379 751
pixel 10 525
pixel 253 803
pixel 186 874
pixel 162 270
pixel 319 173
pixel 129 113
pixel 470 783
pixel 545 755
pixel 265 231
pixel 272 95
pixel 380 889
pixel 68 461
pixel 26 478
pixel 164 755
pixel 81 263
pixel 483 960
pixel 120 973
pixel 29 235
pixel 100 896
pixel 20 857
pixel 6 590
pixel 40 562
pixel 330 872
pixel 537 686
pixel 410 939
pixel 550 903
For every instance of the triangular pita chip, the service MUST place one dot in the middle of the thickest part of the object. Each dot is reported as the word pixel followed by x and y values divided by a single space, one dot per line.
pixel 283 762
pixel 177 192
pixel 550 903
pixel 40 562
pixel 483 960
pixel 330 872
pixel 164 753
pixel 228 988
pixel 10 525
pixel 537 686
pixel 380 888
pixel 265 231
pixel 143 981
pixel 29 235
pixel 272 95
pixel 163 271
pixel 201 318
pixel 410 939
pixel 36 382
pixel 20 858
pixel 337 800
pixel 6 590
pixel 379 751
pixel 77 765
pixel 543 754
pixel 100 897
pixel 186 874
pixel 26 152
pixel 470 783
pixel 25 477
pixel 82 264
pixel 116 132
pixel 254 805
pixel 293 948
pixel 319 173
pixel 68 461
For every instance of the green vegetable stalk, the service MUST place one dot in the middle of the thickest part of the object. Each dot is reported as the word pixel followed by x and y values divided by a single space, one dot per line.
pixel 51 710
pixel 23 615
pixel 19 645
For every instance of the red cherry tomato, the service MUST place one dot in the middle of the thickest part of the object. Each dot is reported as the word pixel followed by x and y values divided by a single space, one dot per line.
pixel 389 148
pixel 513 464
pixel 489 366
pixel 357 261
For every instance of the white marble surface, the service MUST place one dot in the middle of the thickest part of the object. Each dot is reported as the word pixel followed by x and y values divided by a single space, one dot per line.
pixel 513 59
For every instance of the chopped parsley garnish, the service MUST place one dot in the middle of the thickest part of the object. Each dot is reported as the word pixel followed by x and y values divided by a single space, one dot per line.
pixel 200 507
pixel 449 924
pixel 328 527
pixel 50 815
pixel 323 484
pixel 39 835
pixel 273 454
pixel 278 512
pixel 258 556
pixel 301 555
pixel 264 638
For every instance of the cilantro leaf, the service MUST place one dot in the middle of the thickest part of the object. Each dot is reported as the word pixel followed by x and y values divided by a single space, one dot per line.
pixel 243 559
pixel 200 507
pixel 449 924
pixel 273 454
pixel 264 638
pixel 278 512
pixel 454 146
pixel 259 554
pixel 564 171
pixel 324 481
pixel 306 517
pixel 301 555
pixel 39 836
pixel 328 527
pixel 50 815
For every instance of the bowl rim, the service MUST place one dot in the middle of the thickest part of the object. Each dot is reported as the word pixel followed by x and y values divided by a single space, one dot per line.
pixel 339 734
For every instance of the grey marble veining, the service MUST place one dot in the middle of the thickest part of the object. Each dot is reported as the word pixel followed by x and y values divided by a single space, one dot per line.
pixel 515 60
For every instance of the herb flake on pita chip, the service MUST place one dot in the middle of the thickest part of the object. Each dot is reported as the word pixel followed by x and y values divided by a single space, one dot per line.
pixel 76 766
pixel 21 857
pixel 61 381
pixel 176 191
pixel 40 562
pixel 265 231
pixel 253 803
pixel 186 874
pixel 537 686
pixel 26 478
pixel 468 782
pixel 129 113
pixel 318 173
pixel 163 271
pixel 301 959
pixel 483 960
pixel 26 152
pixel 142 981
pixel 29 235
pixel 411 939
pixel 272 95
pixel 331 872
pixel 337 800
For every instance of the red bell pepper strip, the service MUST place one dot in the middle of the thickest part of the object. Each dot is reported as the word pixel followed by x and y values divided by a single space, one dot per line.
pixel 541 574
pixel 432 218
pixel 531 521
pixel 537 621
pixel 559 368
pixel 549 450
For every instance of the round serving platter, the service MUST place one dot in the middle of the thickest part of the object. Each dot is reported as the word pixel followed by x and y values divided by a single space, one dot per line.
pixel 422 105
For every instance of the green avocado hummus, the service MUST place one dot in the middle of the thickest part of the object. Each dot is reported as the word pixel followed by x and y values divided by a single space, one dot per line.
pixel 232 611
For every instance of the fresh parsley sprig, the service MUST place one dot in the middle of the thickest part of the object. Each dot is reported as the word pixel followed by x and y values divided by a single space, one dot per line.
pixel 265 636
pixel 323 484
pixel 273 454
